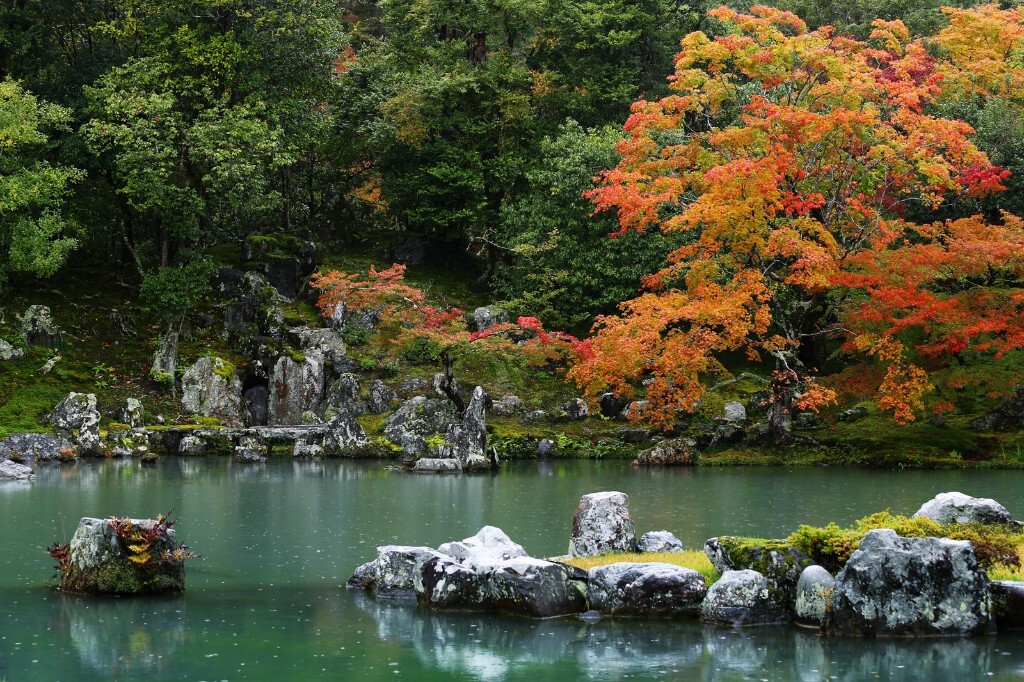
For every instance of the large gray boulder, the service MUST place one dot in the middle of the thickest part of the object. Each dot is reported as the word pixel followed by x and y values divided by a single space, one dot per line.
pixel 490 545
pixel 13 471
pixel 99 559
pixel 344 436
pixel 29 448
pixel 956 507
pixel 777 560
pixel 525 586
pixel 210 388
pixel 296 386
pixel 743 598
pixel 39 328
pixel 394 572
pixel 327 342
pixel 417 419
pixel 659 541
pixel 9 352
pixel 673 452
pixel 380 397
pixel 650 590
pixel 344 394
pixel 76 417
pixel 601 525
pixel 910 587
pixel 813 594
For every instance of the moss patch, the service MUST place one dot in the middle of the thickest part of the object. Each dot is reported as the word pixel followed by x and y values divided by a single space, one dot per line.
pixel 696 560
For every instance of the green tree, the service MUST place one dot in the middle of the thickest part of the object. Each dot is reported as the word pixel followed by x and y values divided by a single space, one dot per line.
pixel 35 238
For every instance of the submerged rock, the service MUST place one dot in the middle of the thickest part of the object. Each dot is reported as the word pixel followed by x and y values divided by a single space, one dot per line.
pixel 601 525
pixel 956 507
pixel 107 556
pixel 910 587
pixel 742 598
pixel 650 589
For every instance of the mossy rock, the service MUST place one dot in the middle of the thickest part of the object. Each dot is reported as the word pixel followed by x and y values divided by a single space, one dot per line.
pixel 780 561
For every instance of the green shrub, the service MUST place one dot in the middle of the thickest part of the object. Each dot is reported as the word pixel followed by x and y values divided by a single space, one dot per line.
pixel 367 364
pixel 389 368
pixel 355 336
pixel 422 351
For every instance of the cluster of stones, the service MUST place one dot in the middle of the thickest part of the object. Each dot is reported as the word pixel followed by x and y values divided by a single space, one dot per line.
pixel 891 586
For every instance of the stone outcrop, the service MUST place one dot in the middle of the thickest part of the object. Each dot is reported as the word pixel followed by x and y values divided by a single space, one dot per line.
pixel 75 417
pixel 39 328
pixel 296 386
pixel 343 394
pixel 674 452
pixel 327 342
pixel 778 561
pixel 659 541
pixel 742 598
pixel 417 419
pixel 910 586
pixel 210 388
pixel 13 471
pixel 99 559
pixel 466 442
pixel 30 448
pixel 601 525
pixel 650 590
pixel 1008 414
pixel 344 436
pixel 813 594
pixel 956 507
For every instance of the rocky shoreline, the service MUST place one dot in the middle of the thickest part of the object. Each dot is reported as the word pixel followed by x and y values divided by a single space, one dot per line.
pixel 891 586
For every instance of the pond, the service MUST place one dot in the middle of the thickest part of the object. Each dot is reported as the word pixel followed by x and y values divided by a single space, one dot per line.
pixel 278 540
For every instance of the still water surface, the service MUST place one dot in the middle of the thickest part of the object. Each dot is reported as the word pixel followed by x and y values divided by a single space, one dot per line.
pixel 278 539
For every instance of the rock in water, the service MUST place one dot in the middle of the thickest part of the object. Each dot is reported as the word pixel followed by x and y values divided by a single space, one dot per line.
pixel 677 451
pixel 813 594
pixel 467 441
pixel 956 507
pixel 651 589
pixel 601 525
pixel 210 388
pixel 490 545
pixel 659 541
pixel 106 557
pixel 417 419
pixel 39 328
pixel 910 587
pixel 777 560
pixel 76 417
pixel 1007 603
pixel 28 448
pixel 12 471
pixel 344 436
pixel 743 598
pixel 525 586
pixel 296 386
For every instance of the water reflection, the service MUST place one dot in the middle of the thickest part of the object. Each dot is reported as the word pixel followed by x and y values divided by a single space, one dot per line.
pixel 115 636
pixel 492 649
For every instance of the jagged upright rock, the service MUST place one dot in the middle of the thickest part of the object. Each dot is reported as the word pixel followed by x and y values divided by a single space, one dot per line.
pixel 894 586
pixel 296 386
pixel 132 413
pixel 164 365
pixel 417 419
pixel 602 524
pixel 211 388
pixel 76 418
pixel 380 398
pixel 467 441
pixel 344 394
pixel 344 436
pixel 327 341
pixel 39 328
pixel 956 507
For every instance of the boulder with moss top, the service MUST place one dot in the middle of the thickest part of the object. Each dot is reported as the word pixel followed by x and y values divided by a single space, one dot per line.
pixel 777 560
pixel 211 388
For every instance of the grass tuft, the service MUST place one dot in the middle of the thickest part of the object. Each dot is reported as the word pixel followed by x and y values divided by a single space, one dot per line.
pixel 694 559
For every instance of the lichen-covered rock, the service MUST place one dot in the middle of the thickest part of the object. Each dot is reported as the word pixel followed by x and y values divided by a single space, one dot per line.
pixel 742 598
pixel 210 388
pixel 507 406
pixel 307 450
pixel 659 541
pixel 29 448
pixel 191 445
pixel 735 412
pixel 437 465
pixel 344 436
pixel 525 586
pixel 344 394
pixel 296 386
pixel 813 594
pixel 13 471
pixel 444 583
pixel 380 397
pixel 39 328
pixel 417 419
pixel 1007 603
pixel 132 413
pixel 468 439
pixel 327 342
pixel 956 507
pixel 100 560
pixel 649 589
pixel 251 449
pixel 674 452
pixel 576 408
pixel 490 545
pixel 9 352
pixel 910 587
pixel 164 365
pixel 77 418
pixel 777 560
pixel 486 317
pixel 602 524
pixel 396 570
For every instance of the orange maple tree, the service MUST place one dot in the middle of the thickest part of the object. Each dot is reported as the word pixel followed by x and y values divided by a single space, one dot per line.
pixel 790 159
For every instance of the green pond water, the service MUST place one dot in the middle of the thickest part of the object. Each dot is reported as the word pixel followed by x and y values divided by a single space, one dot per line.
pixel 278 540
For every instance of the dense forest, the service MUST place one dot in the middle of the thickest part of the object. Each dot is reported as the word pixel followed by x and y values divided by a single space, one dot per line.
pixel 825 196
